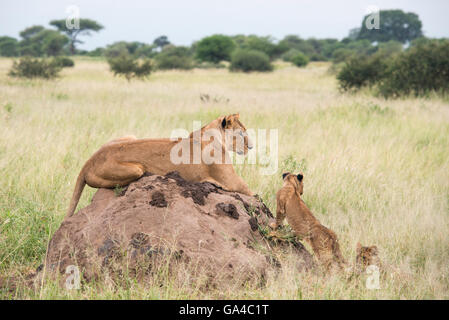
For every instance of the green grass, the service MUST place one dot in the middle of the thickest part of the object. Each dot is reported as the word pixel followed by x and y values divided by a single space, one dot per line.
pixel 376 171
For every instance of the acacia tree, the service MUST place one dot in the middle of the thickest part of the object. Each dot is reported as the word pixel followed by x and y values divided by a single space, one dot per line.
pixel 215 48
pixel 161 42
pixel 38 41
pixel 394 25
pixel 85 28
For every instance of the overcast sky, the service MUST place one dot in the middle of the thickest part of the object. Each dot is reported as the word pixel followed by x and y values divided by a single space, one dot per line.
pixel 185 21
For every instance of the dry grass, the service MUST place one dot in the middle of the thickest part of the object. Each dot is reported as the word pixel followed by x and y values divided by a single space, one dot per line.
pixel 376 171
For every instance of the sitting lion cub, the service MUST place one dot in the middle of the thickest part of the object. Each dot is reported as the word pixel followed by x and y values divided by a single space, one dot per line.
pixel 366 256
pixel 322 240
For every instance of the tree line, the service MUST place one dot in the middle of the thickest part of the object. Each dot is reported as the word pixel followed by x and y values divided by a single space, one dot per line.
pixel 394 60
pixel 396 28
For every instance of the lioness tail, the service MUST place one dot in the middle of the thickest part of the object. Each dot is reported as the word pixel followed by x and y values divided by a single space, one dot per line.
pixel 80 183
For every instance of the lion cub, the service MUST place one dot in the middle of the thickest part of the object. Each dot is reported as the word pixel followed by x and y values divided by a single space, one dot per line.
pixel 366 256
pixel 322 240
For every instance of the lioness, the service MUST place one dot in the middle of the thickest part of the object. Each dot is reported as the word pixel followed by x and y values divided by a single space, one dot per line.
pixel 122 161
pixel 322 240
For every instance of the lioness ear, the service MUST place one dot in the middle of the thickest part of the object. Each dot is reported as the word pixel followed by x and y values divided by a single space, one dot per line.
pixel 374 250
pixel 237 115
pixel 223 123
pixel 284 175
pixel 300 176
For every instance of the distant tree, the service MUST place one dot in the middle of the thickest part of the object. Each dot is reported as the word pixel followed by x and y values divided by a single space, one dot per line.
pixel 354 33
pixel 53 42
pixel 116 49
pixel 130 67
pixel 264 44
pixel 38 41
pixel 145 50
pixel 215 48
pixel 250 60
pixel 295 42
pixel 173 57
pixel 86 26
pixel 8 47
pixel 31 32
pixel 389 48
pixel 394 25
pixel 135 49
pixel 161 42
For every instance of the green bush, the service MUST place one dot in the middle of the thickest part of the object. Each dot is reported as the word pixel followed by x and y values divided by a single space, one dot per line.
pixel 129 67
pixel 215 48
pixel 288 56
pixel 250 60
pixel 362 71
pixel 64 62
pixel 28 67
pixel 174 58
pixel 300 60
pixel 418 71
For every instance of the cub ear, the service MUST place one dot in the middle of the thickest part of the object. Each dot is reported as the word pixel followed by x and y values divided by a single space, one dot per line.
pixel 223 123
pixel 359 248
pixel 284 175
pixel 237 115
pixel 374 250
pixel 300 176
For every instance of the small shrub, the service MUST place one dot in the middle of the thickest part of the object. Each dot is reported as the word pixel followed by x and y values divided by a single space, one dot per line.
pixel 174 58
pixel 300 60
pixel 130 67
pixel 28 67
pixel 8 107
pixel 418 71
pixel 250 60
pixel 361 71
pixel 65 62
pixel 288 56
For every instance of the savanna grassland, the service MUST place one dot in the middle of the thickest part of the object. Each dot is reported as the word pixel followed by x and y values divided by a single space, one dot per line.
pixel 376 171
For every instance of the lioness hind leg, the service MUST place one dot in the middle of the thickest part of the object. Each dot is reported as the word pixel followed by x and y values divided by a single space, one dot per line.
pixel 121 175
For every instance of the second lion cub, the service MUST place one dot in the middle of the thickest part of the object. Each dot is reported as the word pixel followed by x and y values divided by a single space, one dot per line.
pixel 322 240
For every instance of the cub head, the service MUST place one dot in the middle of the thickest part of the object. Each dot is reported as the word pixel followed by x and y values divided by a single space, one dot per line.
pixel 236 137
pixel 296 180
pixel 366 256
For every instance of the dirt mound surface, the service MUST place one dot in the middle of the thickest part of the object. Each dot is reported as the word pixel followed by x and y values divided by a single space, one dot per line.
pixel 165 218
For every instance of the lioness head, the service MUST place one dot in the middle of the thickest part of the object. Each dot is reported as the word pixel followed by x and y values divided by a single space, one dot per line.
pixel 294 179
pixel 236 136
pixel 366 256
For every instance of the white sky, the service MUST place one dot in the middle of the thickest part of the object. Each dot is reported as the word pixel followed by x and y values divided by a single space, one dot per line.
pixel 185 21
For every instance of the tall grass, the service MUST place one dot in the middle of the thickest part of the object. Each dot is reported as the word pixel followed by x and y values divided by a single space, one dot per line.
pixel 376 171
